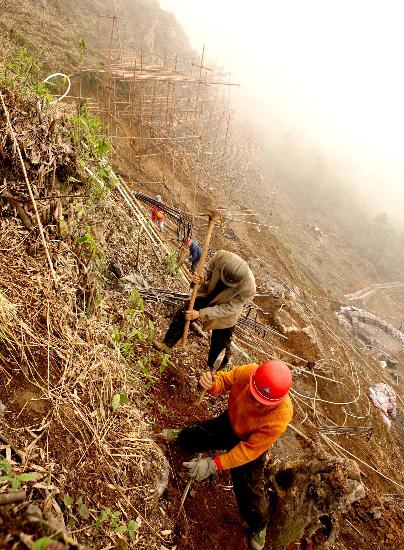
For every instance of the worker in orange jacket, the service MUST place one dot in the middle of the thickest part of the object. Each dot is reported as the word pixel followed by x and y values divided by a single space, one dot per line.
pixel 259 411
pixel 157 210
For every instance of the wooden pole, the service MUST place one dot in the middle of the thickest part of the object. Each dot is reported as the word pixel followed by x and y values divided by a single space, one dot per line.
pixel 213 216
pixel 31 194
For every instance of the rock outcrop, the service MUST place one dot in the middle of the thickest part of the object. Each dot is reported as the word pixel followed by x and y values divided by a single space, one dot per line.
pixel 306 493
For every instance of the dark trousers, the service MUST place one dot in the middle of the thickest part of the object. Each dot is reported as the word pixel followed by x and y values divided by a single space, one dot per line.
pixel 194 265
pixel 248 480
pixel 221 337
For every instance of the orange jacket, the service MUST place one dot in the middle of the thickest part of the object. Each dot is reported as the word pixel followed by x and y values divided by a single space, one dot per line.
pixel 156 214
pixel 258 427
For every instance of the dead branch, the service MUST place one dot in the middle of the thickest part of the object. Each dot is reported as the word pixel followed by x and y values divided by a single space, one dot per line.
pixel 20 210
pixel 12 497
pixel 41 232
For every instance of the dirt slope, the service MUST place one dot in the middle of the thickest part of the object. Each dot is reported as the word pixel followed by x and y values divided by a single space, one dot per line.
pixel 68 351
pixel 141 22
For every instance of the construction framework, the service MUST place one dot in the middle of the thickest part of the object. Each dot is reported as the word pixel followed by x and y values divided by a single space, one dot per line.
pixel 158 115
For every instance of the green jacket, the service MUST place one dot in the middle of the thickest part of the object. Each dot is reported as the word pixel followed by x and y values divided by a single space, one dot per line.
pixel 226 307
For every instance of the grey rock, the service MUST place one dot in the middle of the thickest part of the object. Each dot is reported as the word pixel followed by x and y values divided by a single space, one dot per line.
pixel 376 513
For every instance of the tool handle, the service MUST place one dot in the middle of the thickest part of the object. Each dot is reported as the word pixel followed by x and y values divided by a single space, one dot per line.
pixel 187 488
pixel 202 393
pixel 201 265
pixel 201 397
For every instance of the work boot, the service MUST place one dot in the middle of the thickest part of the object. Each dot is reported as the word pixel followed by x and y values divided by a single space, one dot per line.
pixel 257 539
pixel 161 346
pixel 171 434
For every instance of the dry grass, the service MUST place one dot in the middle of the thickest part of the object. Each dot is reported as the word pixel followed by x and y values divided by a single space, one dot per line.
pixel 55 346
pixel 76 370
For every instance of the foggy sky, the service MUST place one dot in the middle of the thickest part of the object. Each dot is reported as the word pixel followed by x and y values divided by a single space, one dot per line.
pixel 328 71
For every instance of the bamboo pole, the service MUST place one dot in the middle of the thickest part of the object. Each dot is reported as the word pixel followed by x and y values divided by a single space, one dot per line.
pixel 141 106
pixel 38 219
pixel 132 96
pixel 221 170
pixel 213 217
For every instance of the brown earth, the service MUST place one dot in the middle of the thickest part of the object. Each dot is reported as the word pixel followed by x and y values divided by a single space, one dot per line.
pixel 338 396
pixel 370 452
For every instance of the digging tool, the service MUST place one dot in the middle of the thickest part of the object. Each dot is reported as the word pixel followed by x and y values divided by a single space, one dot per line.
pixel 213 217
pixel 215 368
pixel 187 488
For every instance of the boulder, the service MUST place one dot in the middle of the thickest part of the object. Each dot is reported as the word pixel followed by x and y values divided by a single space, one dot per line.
pixel 285 322
pixel 306 493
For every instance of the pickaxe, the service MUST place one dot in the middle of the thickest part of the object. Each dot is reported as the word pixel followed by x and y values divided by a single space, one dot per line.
pixel 215 367
pixel 213 217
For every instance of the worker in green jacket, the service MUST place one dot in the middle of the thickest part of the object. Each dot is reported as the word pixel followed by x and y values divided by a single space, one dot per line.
pixel 228 284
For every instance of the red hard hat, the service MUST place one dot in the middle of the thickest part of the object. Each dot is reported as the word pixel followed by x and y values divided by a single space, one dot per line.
pixel 270 382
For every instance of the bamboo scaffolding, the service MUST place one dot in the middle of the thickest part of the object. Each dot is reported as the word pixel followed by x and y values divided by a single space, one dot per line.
pixel 155 106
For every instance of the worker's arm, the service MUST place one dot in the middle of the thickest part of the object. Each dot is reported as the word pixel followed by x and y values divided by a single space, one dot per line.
pixel 217 384
pixel 224 381
pixel 233 307
pixel 258 442
pixel 194 253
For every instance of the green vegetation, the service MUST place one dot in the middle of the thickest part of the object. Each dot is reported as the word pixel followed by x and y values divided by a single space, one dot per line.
pixel 42 543
pixel 132 327
pixel 82 46
pixel 171 263
pixel 94 249
pixel 289 249
pixel 87 135
pixel 118 399
pixel 134 332
pixel 42 90
pixel 19 69
pixel 119 526
pixel 76 506
pixel 14 479
pixel 164 362
pixel 82 223
pixel 79 507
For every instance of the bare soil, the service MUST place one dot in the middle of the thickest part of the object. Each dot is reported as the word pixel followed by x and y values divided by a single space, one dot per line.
pixel 338 397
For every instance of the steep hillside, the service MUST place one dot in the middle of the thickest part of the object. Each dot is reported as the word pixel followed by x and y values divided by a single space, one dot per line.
pixel 87 282
pixel 56 28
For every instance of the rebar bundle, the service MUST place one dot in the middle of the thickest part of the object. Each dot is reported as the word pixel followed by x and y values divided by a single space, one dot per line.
pixel 259 328
pixel 162 296
pixel 174 298
pixel 183 220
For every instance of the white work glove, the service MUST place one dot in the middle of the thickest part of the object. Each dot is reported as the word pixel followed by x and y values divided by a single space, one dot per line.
pixel 200 468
